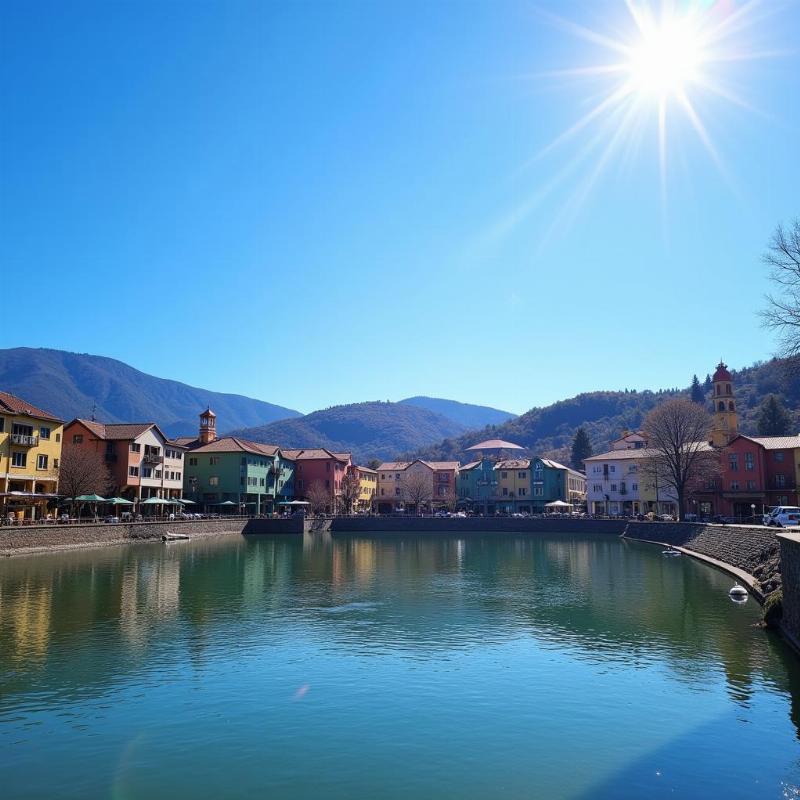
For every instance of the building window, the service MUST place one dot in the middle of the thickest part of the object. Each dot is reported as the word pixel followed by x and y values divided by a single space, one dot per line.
pixel 58 436
pixel 538 491
pixel 2 424
pixel 779 455
pixel 733 461
pixel 133 472
pixel 613 487
pixel 213 460
pixel 780 480
pixel 147 472
pixel 193 462
pixel 136 447
pixel 213 480
pixel 44 433
pixel 751 485
pixel 19 459
pixel 748 462
pixel 397 492
pixel 522 492
pixel 734 486
pixel 77 438
pixel 635 487
pixel 41 462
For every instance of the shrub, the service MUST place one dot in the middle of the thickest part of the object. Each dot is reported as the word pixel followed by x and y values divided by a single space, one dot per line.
pixel 773 609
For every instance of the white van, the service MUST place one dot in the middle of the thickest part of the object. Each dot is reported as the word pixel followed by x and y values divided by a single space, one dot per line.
pixel 783 516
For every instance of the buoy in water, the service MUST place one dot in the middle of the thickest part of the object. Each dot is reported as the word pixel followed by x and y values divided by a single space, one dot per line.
pixel 738 592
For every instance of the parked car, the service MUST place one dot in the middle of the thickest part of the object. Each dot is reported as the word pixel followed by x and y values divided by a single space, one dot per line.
pixel 782 517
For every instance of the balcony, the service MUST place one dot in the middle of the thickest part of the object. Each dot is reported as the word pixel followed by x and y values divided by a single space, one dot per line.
pixel 23 440
pixel 152 458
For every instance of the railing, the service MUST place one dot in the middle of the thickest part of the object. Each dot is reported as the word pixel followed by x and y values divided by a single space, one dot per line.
pixel 24 440
pixel 152 458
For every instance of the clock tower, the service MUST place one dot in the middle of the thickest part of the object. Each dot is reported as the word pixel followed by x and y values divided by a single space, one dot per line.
pixel 725 427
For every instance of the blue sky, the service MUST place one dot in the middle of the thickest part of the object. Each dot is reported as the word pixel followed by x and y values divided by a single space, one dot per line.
pixel 319 203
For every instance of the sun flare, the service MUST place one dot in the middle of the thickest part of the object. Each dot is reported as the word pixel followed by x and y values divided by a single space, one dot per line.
pixel 664 71
pixel 668 58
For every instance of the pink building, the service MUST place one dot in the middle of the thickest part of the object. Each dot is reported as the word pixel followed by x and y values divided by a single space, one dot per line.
pixel 321 466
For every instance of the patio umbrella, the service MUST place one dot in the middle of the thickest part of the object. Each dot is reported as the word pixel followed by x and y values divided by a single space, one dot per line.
pixel 185 501
pixel 90 498
pixel 155 501
pixel 119 501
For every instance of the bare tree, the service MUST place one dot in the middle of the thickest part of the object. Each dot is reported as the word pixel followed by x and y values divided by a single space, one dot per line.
pixel 782 313
pixel 417 489
pixel 349 491
pixel 318 496
pixel 680 457
pixel 82 472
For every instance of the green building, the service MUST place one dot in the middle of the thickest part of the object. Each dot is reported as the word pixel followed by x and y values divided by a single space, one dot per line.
pixel 253 477
pixel 553 482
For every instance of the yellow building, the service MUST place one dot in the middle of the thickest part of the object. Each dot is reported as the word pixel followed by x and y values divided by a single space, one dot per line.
pixel 513 491
pixel 368 483
pixel 30 451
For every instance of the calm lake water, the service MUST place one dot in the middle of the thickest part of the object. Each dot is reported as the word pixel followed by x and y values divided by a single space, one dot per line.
pixel 402 667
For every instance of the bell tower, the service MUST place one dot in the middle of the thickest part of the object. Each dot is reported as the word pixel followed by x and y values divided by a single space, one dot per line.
pixel 726 421
pixel 208 427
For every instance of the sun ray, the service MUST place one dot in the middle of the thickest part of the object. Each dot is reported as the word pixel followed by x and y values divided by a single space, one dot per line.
pixel 660 63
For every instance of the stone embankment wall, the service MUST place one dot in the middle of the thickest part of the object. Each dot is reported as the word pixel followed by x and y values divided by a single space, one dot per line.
pixel 34 538
pixel 368 525
pixel 790 572
pixel 753 550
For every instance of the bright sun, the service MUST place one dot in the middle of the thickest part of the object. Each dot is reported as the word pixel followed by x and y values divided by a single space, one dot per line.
pixel 667 59
pixel 664 66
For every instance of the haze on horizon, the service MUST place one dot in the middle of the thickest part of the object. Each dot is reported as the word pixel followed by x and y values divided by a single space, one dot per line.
pixel 337 202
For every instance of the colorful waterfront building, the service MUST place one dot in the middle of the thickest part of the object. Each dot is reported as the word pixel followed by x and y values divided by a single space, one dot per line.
pixel 368 487
pixel 141 461
pixel 552 482
pixel 513 492
pixel 389 495
pixel 319 466
pixel 477 486
pixel 228 471
pixel 30 451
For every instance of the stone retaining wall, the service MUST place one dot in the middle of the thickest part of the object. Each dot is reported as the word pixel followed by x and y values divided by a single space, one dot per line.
pixel 790 572
pixel 368 525
pixel 32 538
pixel 754 550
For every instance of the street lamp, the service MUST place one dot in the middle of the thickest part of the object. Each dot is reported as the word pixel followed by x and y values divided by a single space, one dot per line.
pixel 753 511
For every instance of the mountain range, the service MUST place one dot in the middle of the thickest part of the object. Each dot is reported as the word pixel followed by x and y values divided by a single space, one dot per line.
pixel 372 430
pixel 78 384
pixel 548 431
pixel 71 384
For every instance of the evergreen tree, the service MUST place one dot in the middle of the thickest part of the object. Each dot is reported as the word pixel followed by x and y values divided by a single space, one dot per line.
pixel 581 448
pixel 773 418
pixel 708 384
pixel 698 395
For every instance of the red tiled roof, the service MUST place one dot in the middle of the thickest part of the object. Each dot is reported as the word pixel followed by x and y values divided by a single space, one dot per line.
pixel 308 454
pixel 116 431
pixel 11 404
pixel 393 466
pixel 232 444
pixel 442 464
pixel 184 441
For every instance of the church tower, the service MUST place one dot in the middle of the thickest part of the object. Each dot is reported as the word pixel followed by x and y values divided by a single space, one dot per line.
pixel 726 421
pixel 208 427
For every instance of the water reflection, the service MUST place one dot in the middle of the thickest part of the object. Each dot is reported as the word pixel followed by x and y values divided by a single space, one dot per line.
pixel 81 622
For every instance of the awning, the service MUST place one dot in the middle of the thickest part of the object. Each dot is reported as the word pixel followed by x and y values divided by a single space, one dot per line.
pixel 294 503
pixel 557 504
pixel 27 494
